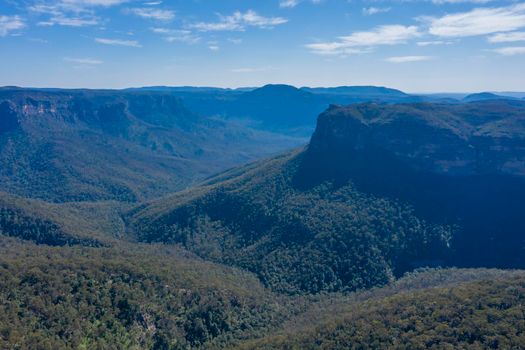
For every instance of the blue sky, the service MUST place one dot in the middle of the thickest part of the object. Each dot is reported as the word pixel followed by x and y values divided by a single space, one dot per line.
pixel 417 46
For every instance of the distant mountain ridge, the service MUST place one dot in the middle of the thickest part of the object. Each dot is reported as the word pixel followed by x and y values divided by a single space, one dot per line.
pixel 484 96
pixel 284 108
pixel 373 91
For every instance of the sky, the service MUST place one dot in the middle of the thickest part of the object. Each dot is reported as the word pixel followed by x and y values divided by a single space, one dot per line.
pixel 413 45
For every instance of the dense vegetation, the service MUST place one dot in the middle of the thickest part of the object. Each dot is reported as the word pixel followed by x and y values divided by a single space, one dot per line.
pixel 486 314
pixel 83 223
pixel 322 239
pixel 125 298
pixel 159 297
pixel 310 249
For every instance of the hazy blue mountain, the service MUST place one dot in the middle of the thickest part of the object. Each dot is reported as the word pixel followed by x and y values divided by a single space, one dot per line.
pixel 483 96
pixel 284 108
pixel 359 91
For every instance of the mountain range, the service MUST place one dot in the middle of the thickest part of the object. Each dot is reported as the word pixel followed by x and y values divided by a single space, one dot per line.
pixel 201 218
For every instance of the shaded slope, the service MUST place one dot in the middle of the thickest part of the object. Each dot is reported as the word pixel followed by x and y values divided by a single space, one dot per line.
pixel 456 164
pixel 380 189
pixel 320 239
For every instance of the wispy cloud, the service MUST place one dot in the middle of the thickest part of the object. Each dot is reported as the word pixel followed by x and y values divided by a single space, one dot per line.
pixel 361 42
pixel 94 2
pixel 293 3
pixel 87 61
pixel 288 3
pixel 235 41
pixel 407 59
pixel 69 21
pixel 118 42
pixel 9 24
pixel 153 13
pixel 369 11
pixel 507 37
pixel 440 2
pixel 213 46
pixel 177 35
pixel 510 51
pixel 238 21
pixel 434 43
pixel 68 13
pixel 479 21
pixel 251 69
pixel 38 40
pixel 61 6
pixel 105 3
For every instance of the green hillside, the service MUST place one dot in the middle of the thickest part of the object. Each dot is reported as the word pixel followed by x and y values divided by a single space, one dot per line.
pixel 325 238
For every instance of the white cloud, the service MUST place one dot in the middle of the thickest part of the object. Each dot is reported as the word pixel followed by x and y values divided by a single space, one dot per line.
pixel 177 35
pixel 71 13
pixel 406 59
pixel 117 42
pixel 9 24
pixel 251 69
pixel 507 37
pixel 105 3
pixel 160 30
pixel 479 21
pixel 440 2
pixel 69 21
pixel 235 41
pixel 239 21
pixel 88 61
pixel 60 7
pixel 183 36
pixel 289 3
pixel 214 47
pixel 510 51
pixel 434 42
pixel 375 10
pixel 293 3
pixel 153 13
pixel 361 42
pixel 382 35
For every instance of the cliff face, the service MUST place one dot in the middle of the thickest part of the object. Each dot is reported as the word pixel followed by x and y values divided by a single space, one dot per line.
pixel 71 145
pixel 460 164
pixel 482 139
pixel 109 111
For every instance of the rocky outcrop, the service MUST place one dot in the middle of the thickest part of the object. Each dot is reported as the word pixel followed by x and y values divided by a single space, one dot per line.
pixel 461 164
pixel 75 145
pixel 487 138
